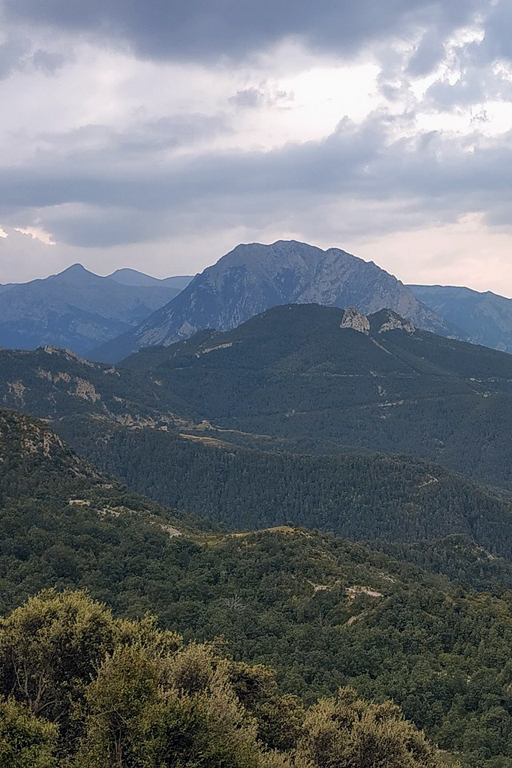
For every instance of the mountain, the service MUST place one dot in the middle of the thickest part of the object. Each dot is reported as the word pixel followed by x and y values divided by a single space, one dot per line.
pixel 75 309
pixel 54 383
pixel 133 277
pixel 255 277
pixel 124 423
pixel 486 318
pixel 291 380
pixel 141 429
pixel 331 380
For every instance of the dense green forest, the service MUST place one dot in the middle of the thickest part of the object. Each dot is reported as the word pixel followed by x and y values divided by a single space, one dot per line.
pixel 322 611
pixel 420 614
pixel 81 689
pixel 397 498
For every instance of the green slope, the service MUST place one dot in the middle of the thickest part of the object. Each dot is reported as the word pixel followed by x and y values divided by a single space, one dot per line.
pixel 397 498
pixel 293 373
pixel 323 611
pixel 56 383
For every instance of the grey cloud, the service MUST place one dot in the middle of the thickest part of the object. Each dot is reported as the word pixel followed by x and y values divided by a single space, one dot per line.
pixel 430 178
pixel 479 81
pixel 248 97
pixel 210 29
pixel 473 87
pixel 429 52
pixel 177 130
pixel 49 62
pixel 251 98
pixel 17 54
pixel 498 40
pixel 90 226
pixel 12 56
pixel 100 145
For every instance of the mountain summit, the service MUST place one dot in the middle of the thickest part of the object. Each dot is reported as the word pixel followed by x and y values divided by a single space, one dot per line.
pixel 255 277
pixel 76 309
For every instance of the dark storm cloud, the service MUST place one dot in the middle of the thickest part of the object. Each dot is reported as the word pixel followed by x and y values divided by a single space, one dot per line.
pixel 430 178
pixel 205 29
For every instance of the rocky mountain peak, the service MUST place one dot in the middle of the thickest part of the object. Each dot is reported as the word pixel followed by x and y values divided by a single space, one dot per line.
pixel 353 318
pixel 76 274
pixel 379 322
pixel 387 320
pixel 254 277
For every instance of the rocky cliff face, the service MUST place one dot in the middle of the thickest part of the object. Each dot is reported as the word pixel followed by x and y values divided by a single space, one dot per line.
pixel 253 278
pixel 380 322
pixel 354 319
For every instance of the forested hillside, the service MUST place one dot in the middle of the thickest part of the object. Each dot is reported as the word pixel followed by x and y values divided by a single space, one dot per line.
pixel 322 611
pixel 81 689
pixel 294 373
pixel 56 383
pixel 398 498
pixel 292 379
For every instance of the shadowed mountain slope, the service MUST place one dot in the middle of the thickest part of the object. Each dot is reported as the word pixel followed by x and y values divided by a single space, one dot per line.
pixel 294 373
pixel 486 318
pixel 75 309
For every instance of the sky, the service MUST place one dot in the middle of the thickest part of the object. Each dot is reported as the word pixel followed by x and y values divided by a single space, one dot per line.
pixel 159 134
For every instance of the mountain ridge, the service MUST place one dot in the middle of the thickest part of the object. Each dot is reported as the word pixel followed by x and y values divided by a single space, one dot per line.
pixel 75 309
pixel 485 316
pixel 254 277
pixel 293 373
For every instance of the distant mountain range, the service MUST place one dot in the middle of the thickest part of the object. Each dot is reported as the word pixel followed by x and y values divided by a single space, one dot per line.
pixel 109 318
pixel 139 279
pixel 253 278
pixel 77 309
pixel 486 318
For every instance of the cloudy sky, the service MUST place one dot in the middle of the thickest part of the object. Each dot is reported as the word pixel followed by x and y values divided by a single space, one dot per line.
pixel 158 134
